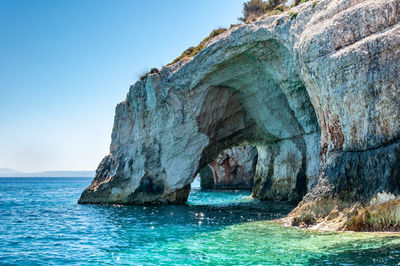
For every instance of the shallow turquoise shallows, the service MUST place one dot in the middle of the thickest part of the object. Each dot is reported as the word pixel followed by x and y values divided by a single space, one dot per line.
pixel 41 223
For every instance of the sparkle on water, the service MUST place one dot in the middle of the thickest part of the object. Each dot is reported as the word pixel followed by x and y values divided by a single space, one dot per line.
pixel 41 223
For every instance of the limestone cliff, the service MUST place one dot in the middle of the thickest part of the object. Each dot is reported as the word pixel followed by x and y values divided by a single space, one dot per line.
pixel 315 89
pixel 232 169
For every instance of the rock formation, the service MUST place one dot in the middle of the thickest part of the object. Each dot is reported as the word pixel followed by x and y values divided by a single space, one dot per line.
pixel 232 169
pixel 316 89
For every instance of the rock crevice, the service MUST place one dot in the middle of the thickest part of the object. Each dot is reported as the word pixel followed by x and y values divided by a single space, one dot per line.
pixel 306 91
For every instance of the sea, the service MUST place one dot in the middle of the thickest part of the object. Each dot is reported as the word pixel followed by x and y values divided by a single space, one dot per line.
pixel 42 224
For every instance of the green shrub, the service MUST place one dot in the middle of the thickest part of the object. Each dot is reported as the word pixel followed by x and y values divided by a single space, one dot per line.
pixel 254 9
pixel 234 25
pixel 154 70
pixel 192 51
pixel 293 15
pixel 273 4
pixel 144 74
pixel 298 2
pixel 279 8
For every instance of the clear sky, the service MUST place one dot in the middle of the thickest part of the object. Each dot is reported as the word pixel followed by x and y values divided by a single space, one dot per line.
pixel 64 65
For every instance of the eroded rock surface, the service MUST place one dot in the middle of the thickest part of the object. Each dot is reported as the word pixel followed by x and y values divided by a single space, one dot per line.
pixel 317 93
pixel 232 169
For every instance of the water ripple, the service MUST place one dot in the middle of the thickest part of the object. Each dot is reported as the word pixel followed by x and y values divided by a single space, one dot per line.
pixel 40 223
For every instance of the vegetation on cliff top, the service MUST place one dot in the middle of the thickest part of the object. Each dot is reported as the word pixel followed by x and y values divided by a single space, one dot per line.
pixel 192 51
pixel 293 15
pixel 252 11
pixel 154 70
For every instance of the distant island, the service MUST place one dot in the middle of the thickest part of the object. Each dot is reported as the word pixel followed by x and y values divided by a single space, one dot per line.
pixel 6 172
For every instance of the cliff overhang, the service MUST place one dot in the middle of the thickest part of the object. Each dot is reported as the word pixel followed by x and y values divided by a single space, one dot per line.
pixel 317 94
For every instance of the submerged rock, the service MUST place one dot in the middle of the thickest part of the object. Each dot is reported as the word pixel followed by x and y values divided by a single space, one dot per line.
pixel 232 169
pixel 317 93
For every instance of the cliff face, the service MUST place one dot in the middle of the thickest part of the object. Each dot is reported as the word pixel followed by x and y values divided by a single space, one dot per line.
pixel 316 92
pixel 232 169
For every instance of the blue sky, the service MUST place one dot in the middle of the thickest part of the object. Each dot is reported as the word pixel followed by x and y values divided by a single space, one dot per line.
pixel 64 65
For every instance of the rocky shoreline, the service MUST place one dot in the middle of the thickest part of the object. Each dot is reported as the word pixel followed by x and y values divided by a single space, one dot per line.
pixel 316 92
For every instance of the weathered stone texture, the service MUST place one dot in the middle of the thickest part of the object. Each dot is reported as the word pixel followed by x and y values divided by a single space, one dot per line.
pixel 329 74
pixel 287 169
pixel 232 169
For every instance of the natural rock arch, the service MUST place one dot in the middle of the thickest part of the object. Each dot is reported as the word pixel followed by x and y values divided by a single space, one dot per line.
pixel 317 93
pixel 255 97
pixel 259 98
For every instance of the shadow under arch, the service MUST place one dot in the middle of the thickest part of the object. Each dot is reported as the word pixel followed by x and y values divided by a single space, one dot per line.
pixel 259 98
pixel 170 127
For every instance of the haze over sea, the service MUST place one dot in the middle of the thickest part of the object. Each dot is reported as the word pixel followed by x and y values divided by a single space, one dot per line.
pixel 41 223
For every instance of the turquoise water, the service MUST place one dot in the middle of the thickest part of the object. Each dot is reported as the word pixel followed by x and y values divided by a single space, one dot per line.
pixel 40 223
